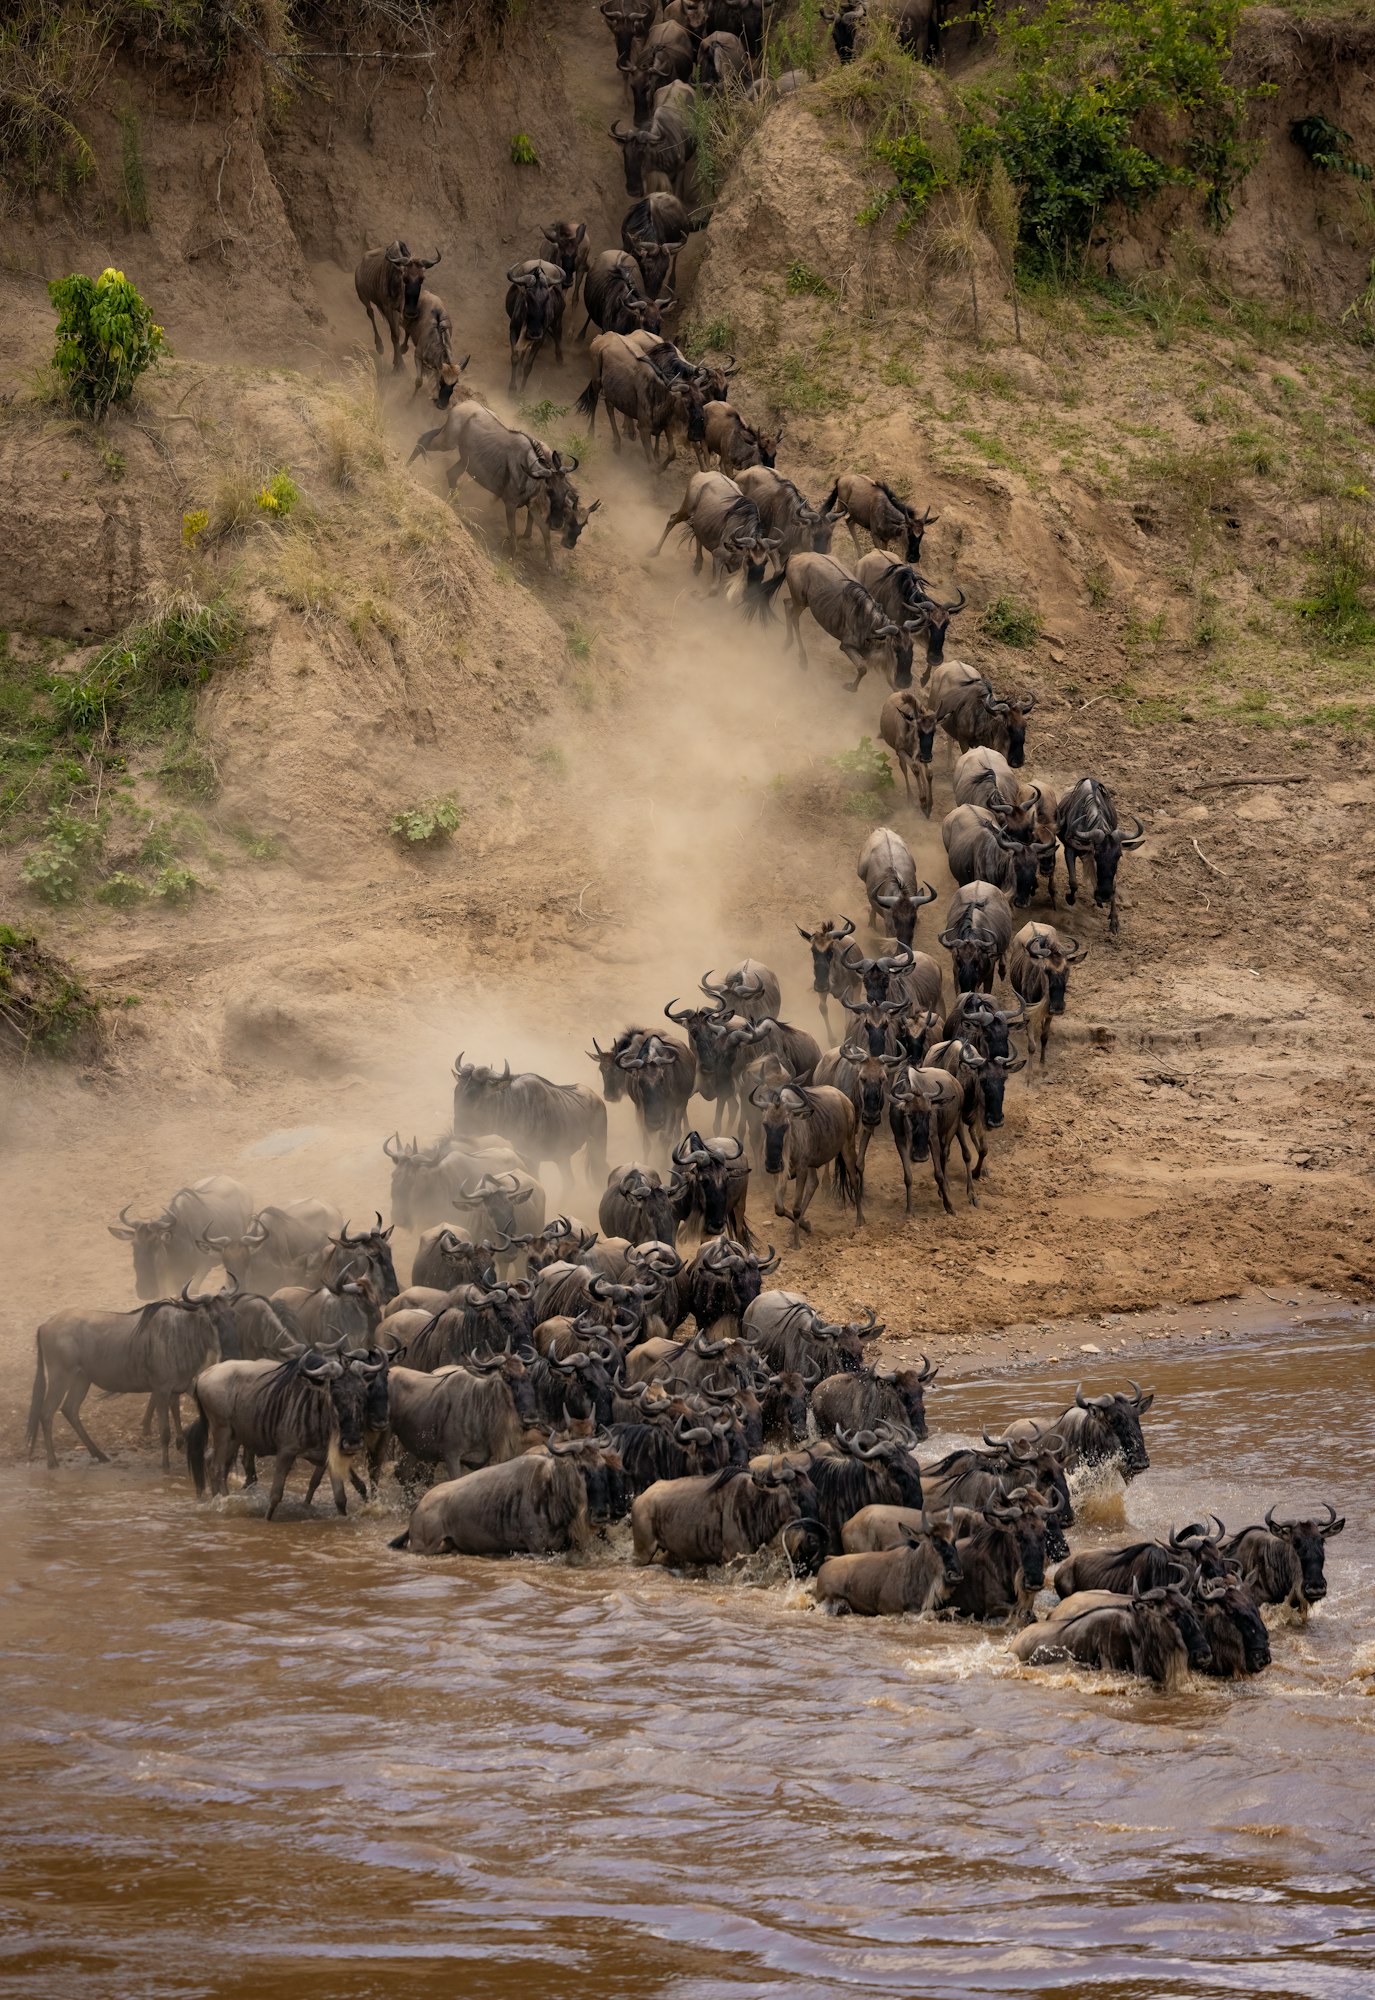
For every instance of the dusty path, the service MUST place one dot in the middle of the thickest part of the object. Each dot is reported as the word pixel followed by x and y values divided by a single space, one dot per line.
pixel 1200 1125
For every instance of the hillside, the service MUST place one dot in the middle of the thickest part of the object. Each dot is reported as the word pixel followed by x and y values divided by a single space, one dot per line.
pixel 1153 486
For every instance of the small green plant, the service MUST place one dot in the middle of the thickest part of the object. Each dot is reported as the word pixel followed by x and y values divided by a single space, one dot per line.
pixel 190 772
pixel 106 339
pixel 523 152
pixel 804 281
pixel 541 414
pixel 1341 573
pixel 865 768
pixel 259 846
pixel 428 824
pixel 176 885
pixel 580 640
pixel 1098 584
pixel 56 870
pixel 713 336
pixel 193 525
pixel 279 495
pixel 1328 148
pixel 1011 622
pixel 917 175
pixel 131 162
pixel 122 891
pixel 44 1008
pixel 145 683
pixel 112 459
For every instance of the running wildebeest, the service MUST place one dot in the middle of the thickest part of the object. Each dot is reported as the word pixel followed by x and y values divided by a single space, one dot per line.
pixel 516 469
pixel 391 281
pixel 170 1250
pixel 1086 821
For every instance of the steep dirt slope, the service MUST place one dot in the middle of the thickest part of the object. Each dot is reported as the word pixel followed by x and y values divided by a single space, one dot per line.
pixel 653 796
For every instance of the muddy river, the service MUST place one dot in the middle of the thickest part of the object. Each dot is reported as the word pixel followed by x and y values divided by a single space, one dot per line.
pixel 280 1760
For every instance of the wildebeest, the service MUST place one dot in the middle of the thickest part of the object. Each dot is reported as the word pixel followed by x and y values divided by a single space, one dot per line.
pixel 432 343
pixel 638 1206
pixel 346 1307
pixel 509 1205
pixel 543 1120
pixel 978 931
pixel 541 1503
pixel 1144 1635
pixel 889 875
pixel 569 249
pixel 900 973
pixel 751 988
pixel 629 21
pixel 863 1469
pixel 983 777
pixel 290 1245
pixel 983 1079
pixel 970 1477
pixel 1283 1560
pixel 870 504
pixel 312 1407
pixel 467 1414
pixel 426 1179
pixel 1086 821
pixel 664 56
pixel 736 445
pixel 1187 1554
pixel 655 231
pixel 786 512
pixel 155 1351
pixel 865 1079
pixel 534 313
pixel 722 1281
pixel 391 280
pixel 632 388
pixel 716 1035
pixel 516 469
pixel 857 1402
pixel 1107 1429
pixel 667 145
pixel 830 975
pixel 971 713
pixel 792 1336
pixel 924 1115
pixel 716 1178
pixel 845 611
pixel 979 848
pixel 1038 972
pixel 170 1249
pixel 616 300
pixel 908 1578
pixel 719 1518
pixel 723 62
pixel 806 1129
pixel 445 1257
pixel 725 525
pixel 1003 1560
pixel 904 594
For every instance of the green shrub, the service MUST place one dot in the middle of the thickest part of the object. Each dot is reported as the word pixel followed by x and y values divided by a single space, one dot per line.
pixel 803 280
pixel 106 339
pixel 1341 570
pixel 177 885
pixel 917 175
pixel 866 767
pixel 279 495
pixel 190 772
pixel 44 1008
pixel 122 891
pixel 57 868
pixel 1328 148
pixel 523 152
pixel 1011 622
pixel 428 824
pixel 145 683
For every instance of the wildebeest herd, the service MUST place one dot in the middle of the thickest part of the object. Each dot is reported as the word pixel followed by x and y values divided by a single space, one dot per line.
pixel 540 1381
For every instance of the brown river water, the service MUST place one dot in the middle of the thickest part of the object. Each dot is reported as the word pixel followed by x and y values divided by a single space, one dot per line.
pixel 253 1759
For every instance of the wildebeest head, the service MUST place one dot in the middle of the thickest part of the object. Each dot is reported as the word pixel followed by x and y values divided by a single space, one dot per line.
pixel 1055 955
pixel 627 20
pixel 603 1474
pixel 447 376
pixel 993 1084
pixel 877 973
pixel 1121 1415
pixel 787 1399
pixel 1226 1602
pixel 567 515
pixel 615 1077
pixel 844 25
pixel 779 1107
pixel 1306 1538
pixel 901 905
pixel 411 273
pixel 500 1313
pixel 559 1241
pixel 880 1025
pixel 1107 845
pixel 891 1447
pixel 1013 711
pixel 938 617
pixel 515 1373
pixel 412 1166
pixel 346 1385
pixel 1039 1461
pixel 372 1368
pixel 374 1247
pixel 939 1530
pixel 565 240
pixel 152 1239
pixel 708 1030
pixel 1028 1517
pixel 1186 1616
pixel 972 952
pixel 898 640
pixel 589 1379
pixel 823 941
pixel 874 1073
pixel 499 1200
pixel 706 1172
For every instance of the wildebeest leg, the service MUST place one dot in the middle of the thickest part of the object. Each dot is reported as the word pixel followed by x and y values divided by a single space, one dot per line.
pixel 940 1147
pixel 858 662
pixel 164 1404
pixel 905 1163
pixel 71 1410
pixel 1112 914
pixel 250 1469
pixel 673 521
pixel 372 321
pixel 510 526
pixel 174 1404
pixel 854 534
pixel 222 1453
pixel 316 1476
pixel 281 1472
pixel 793 612
pixel 968 1179
pixel 456 472
pixel 980 1138
pixel 615 434
pixel 905 768
pixel 150 1410
pixel 804 1187
pixel 1071 866
pixel 341 1499
pixel 866 1133
pixel 923 773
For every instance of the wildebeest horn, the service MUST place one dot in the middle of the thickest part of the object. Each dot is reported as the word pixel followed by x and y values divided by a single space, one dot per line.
pixel 1135 839
pixel 430 262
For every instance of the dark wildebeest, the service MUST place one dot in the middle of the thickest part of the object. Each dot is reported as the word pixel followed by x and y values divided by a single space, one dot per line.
pixel 983 1079
pixel 979 848
pixel 736 445
pixel 638 1206
pixel 830 975
pixel 1004 1559
pixel 170 1249
pixel 751 988
pixel 908 1578
pixel 541 1503
pixel 983 777
pixel 543 1120
pixel 516 469
pixel 971 713
pixel 368 1252
pixel 655 232
pixel 608 1061
pixel 723 62
pixel 865 1469
pixel 662 1074
pixel 924 1115
pixel 569 249
pixel 847 613
pixel 805 1130
pixel 425 1179
pixel 534 313
pixel 656 404
pixel 509 1205
pixel 313 1407
pixel 391 280
pixel 665 56
pixel 291 1245
pixel 1102 1430
pixel 616 300
pixel 905 595
pixel 470 1413
pixel 1189 1553
pixel 972 1477
pixel 716 1178
pixel 1038 973
pixel 629 21
pixel 857 1402
pixel 667 145
pixel 785 512
pixel 725 525
pixel 1283 1561
pixel 902 973
pixel 156 1351
pixel 870 504
pixel 446 1257
pixel 793 1337
pixel 865 1079
pixel 1157 1636
pixel 345 1308
pixel 978 931
pixel 718 1518
pixel 722 1281
pixel 476 1319
pixel 1086 821
pixel 889 875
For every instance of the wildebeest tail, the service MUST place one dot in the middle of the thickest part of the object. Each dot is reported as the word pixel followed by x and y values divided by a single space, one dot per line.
pixel 587 401
pixel 401 1541
pixel 759 596
pixel 195 1447
pixel 831 498
pixel 425 442
pixel 40 1389
pixel 844 1184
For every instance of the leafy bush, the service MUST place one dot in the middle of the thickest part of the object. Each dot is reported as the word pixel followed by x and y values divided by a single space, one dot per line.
pixel 523 152
pixel 1328 148
pixel 1011 622
pixel 866 767
pixel 122 891
pixel 177 885
pixel 193 525
pixel 44 1008
pixel 279 495
pixel 917 175
pixel 146 681
pixel 106 339
pixel 428 824
pixel 57 869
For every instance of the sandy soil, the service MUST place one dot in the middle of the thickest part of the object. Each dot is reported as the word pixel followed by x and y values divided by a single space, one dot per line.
pixel 1201 1128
